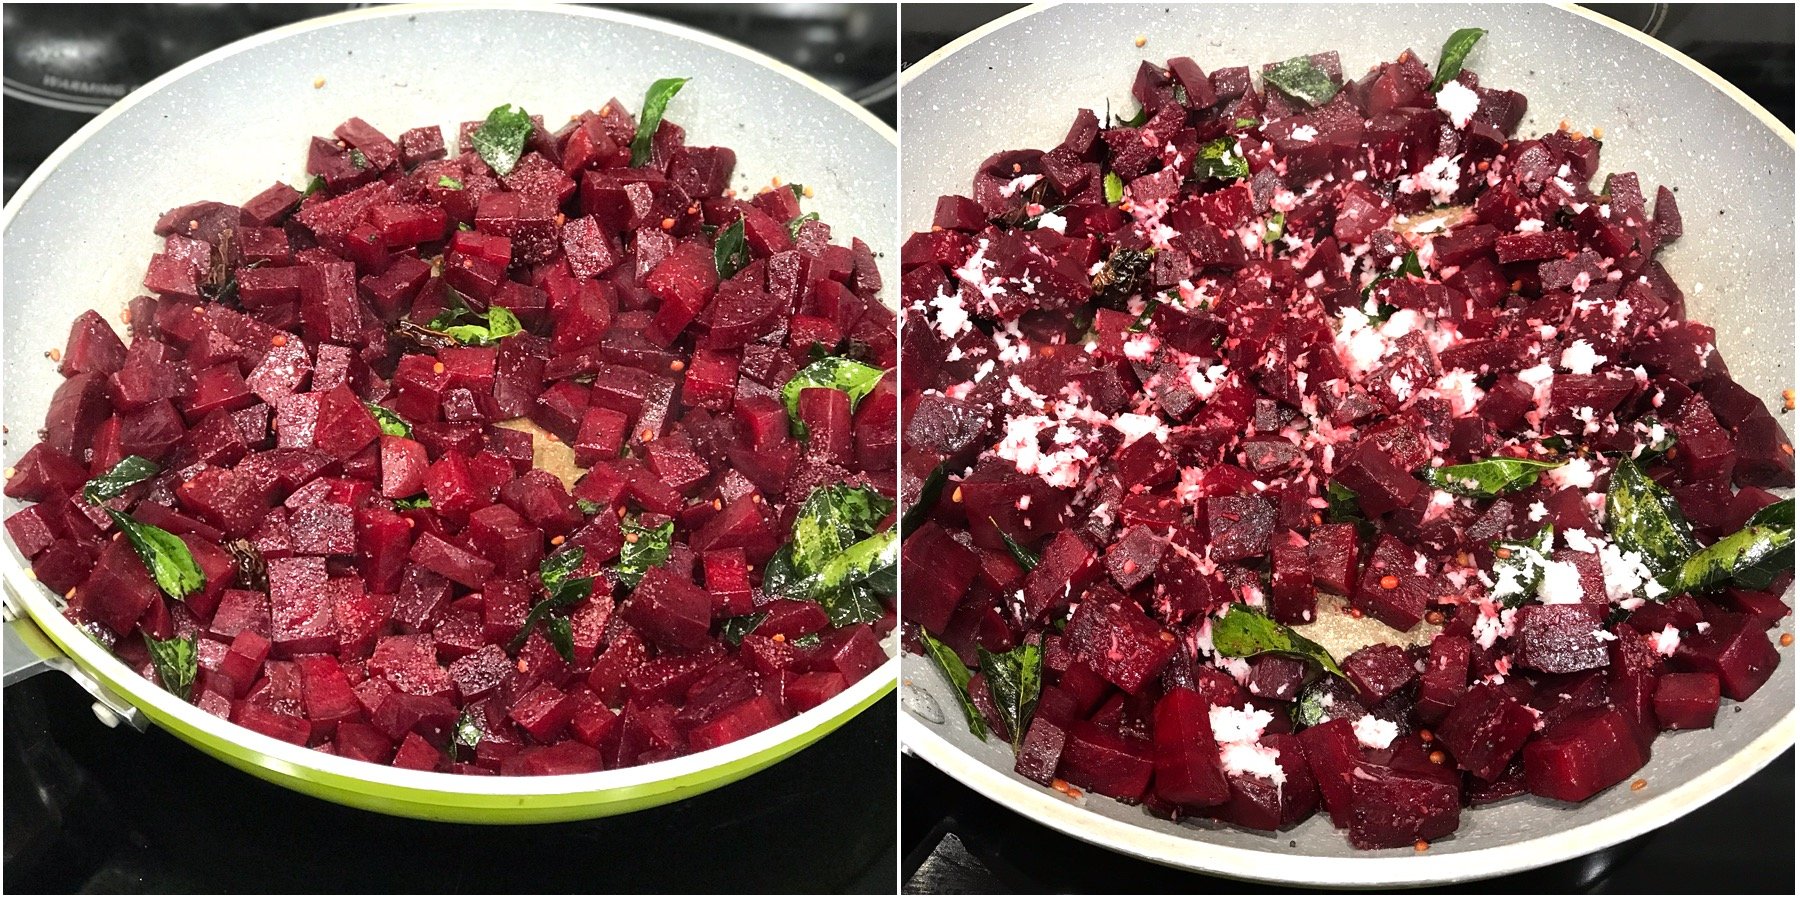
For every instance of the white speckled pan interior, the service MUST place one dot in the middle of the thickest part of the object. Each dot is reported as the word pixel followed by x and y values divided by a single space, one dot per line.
pixel 1017 83
pixel 78 236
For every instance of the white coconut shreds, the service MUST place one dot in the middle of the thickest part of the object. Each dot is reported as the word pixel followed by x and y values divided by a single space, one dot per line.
pixel 1231 725
pixel 1253 759
pixel 951 320
pixel 1579 358
pixel 1668 640
pixel 1053 222
pixel 1561 584
pixel 1577 473
pixel 1375 734
pixel 1458 102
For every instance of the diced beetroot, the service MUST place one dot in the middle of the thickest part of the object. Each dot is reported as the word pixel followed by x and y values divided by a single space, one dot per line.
pixel 1445 678
pixel 1741 655
pixel 1687 700
pixel 1378 671
pixel 1391 588
pixel 1106 762
pixel 1485 728
pixel 746 718
pixel 1333 754
pixel 1186 758
pixel 1560 638
pixel 1582 755
pixel 1119 642
pixel 670 610
pixel 1394 807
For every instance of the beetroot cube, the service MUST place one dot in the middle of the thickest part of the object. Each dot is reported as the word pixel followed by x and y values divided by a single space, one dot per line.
pixel 710 380
pixel 670 610
pixel 1378 671
pixel 727 579
pixel 503 537
pixel 1446 677
pixel 602 435
pixel 543 713
pixel 244 659
pixel 565 758
pixel 1294 601
pixel 1560 638
pixel 1333 754
pixel 1276 677
pixel 1119 642
pixel 1687 700
pixel 1583 755
pixel 1239 527
pixel 1394 807
pixel 119 591
pixel 477 674
pixel 809 689
pixel 851 651
pixel 325 690
pixel 240 611
pixel 452 488
pixel 323 529
pixel 1186 758
pixel 449 560
pixel 1332 556
pixel 1135 556
pixel 683 283
pixel 1107 762
pixel 299 607
pixel 1741 655
pixel 938 572
pixel 1067 566
pixel 1381 485
pixel 403 465
pixel 742 720
pixel 1391 588
pixel 281 726
pixel 409 663
pixel 1485 729
pixel 593 722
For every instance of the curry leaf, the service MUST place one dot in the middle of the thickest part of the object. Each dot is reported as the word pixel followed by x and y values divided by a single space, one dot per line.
pixel 445 181
pixel 118 479
pixel 1275 228
pixel 500 140
pixel 1245 632
pixel 645 549
pixel 853 378
pixel 556 568
pixel 167 558
pixel 831 519
pixel 1489 477
pixel 561 634
pixel 1014 679
pixel 730 253
pixel 1641 516
pixel 1021 554
pixel 390 421
pixel 1220 158
pixel 467 734
pixel 1750 557
pixel 736 628
pixel 793 225
pixel 656 102
pixel 1115 188
pixel 852 583
pixel 1456 49
pixel 958 675
pixel 175 662
pixel 1303 80
pixel 929 491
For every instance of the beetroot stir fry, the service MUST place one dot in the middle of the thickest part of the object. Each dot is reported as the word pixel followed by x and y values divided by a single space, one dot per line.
pixel 544 454
pixel 1187 394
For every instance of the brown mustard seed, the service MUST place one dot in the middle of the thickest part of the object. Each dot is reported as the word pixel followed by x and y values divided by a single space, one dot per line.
pixel 557 541
pixel 676 365
pixel 1139 41
pixel 279 340
pixel 318 82
pixel 1639 784
pixel 1421 846
pixel 631 538
pixel 956 495
pixel 1787 639
pixel 1437 757
pixel 55 354
pixel 437 368
pixel 1389 582
pixel 1435 617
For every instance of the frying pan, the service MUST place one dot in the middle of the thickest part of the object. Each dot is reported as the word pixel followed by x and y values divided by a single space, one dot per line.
pixel 1017 83
pixel 225 125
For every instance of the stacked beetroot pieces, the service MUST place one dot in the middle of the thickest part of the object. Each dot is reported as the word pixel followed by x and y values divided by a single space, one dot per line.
pixel 337 533
pixel 1171 379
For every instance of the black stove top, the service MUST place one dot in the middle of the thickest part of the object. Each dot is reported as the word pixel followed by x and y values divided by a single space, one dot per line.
pixel 90 808
pixel 957 841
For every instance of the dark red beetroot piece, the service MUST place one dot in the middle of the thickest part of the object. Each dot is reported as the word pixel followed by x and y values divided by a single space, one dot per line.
pixel 366 590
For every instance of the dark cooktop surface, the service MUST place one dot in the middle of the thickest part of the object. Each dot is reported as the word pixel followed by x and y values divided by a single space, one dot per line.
pixel 110 810
pixel 957 841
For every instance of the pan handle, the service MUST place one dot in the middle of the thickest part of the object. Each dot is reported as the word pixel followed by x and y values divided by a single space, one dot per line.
pixel 30 652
